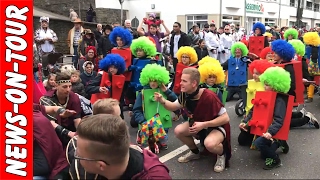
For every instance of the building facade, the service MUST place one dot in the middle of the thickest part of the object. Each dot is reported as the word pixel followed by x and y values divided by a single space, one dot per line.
pixel 243 12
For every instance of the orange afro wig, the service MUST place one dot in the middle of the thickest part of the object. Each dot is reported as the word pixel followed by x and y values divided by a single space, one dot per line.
pixel 260 65
pixel 265 51
pixel 189 51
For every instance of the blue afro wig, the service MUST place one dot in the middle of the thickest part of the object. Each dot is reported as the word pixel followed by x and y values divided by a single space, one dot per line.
pixel 124 34
pixel 113 60
pixel 260 26
pixel 283 49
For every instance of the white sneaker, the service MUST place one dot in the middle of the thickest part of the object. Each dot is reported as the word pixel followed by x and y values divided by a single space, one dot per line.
pixel 220 164
pixel 188 157
pixel 313 120
pixel 303 111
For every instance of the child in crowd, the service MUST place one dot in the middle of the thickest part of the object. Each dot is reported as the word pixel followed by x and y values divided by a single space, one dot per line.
pixel 151 20
pixel 121 38
pixel 143 48
pixel 211 75
pixel 112 64
pixel 153 76
pixel 50 84
pixel 274 79
pixel 77 86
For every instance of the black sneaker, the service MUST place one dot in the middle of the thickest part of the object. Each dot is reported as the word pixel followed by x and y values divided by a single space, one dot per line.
pixel 272 163
pixel 284 147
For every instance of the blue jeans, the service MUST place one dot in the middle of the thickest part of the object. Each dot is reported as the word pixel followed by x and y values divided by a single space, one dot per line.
pixel 75 58
pixel 165 140
pixel 39 178
pixel 267 147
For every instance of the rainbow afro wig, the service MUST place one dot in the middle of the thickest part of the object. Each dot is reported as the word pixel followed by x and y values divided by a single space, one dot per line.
pixel 277 78
pixel 291 31
pixel 113 60
pixel 283 49
pixel 260 26
pixel 260 66
pixel 265 51
pixel 298 46
pixel 145 44
pixel 207 59
pixel 211 68
pixel 311 38
pixel 241 46
pixel 189 51
pixel 124 34
pixel 154 72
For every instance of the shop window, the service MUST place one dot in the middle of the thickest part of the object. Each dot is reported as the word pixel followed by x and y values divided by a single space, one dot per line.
pixel 227 20
pixel 200 20
pixel 309 5
pixel 316 7
pixel 317 24
pixel 270 22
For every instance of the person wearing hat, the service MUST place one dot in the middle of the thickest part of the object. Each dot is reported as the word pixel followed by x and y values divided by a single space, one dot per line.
pixel 45 37
pixel 213 41
pixel 104 43
pixel 74 36
pixel 88 39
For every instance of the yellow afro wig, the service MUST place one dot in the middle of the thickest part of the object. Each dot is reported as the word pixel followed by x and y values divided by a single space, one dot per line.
pixel 189 51
pixel 211 68
pixel 311 38
pixel 207 59
pixel 268 34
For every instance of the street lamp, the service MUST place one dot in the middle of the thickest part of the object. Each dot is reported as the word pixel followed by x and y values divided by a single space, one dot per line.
pixel 121 16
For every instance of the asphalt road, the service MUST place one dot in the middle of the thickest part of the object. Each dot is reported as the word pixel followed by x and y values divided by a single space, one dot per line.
pixel 302 161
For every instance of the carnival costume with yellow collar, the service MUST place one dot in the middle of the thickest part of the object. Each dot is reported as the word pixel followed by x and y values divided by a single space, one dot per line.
pixel 208 67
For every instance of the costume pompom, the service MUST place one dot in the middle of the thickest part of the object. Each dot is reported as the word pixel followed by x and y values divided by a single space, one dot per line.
pixel 260 26
pixel 291 31
pixel 154 72
pixel 277 78
pixel 265 51
pixel 145 44
pixel 189 51
pixel 113 60
pixel 311 38
pixel 207 59
pixel 124 34
pixel 298 46
pixel 211 68
pixel 260 65
pixel 241 46
pixel 283 49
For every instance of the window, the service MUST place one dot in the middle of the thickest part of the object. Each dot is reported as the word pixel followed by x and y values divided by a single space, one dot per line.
pixel 226 20
pixel 292 3
pixel 200 20
pixel 270 22
pixel 309 5
pixel 135 22
pixel 254 20
pixel 317 24
pixel 316 7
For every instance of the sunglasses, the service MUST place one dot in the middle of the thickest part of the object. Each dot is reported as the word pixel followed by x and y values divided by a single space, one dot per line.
pixel 87 159
pixel 226 29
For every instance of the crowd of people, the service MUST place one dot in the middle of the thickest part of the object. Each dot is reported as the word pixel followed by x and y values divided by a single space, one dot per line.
pixel 79 126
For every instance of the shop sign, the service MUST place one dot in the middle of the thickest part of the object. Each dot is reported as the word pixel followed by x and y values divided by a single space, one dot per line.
pixel 256 8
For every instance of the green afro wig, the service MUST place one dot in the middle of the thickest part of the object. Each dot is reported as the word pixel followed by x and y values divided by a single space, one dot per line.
pixel 298 46
pixel 207 59
pixel 145 44
pixel 311 38
pixel 239 45
pixel 291 31
pixel 277 78
pixel 211 68
pixel 154 72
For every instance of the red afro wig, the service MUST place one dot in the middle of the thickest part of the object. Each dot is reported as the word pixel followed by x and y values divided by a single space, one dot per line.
pixel 265 52
pixel 245 42
pixel 151 39
pixel 260 65
pixel 91 48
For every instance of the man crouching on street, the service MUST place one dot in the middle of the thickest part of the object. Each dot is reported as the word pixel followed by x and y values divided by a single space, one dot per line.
pixel 207 119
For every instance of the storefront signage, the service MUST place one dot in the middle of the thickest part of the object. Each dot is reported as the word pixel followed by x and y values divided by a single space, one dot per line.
pixel 256 8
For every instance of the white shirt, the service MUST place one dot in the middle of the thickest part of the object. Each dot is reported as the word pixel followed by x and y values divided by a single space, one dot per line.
pixel 175 44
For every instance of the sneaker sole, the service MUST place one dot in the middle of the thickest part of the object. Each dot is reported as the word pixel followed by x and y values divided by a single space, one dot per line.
pixel 185 161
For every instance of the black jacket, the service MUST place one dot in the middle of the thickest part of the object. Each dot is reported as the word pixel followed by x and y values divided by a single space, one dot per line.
pixel 201 52
pixel 104 45
pixel 183 41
